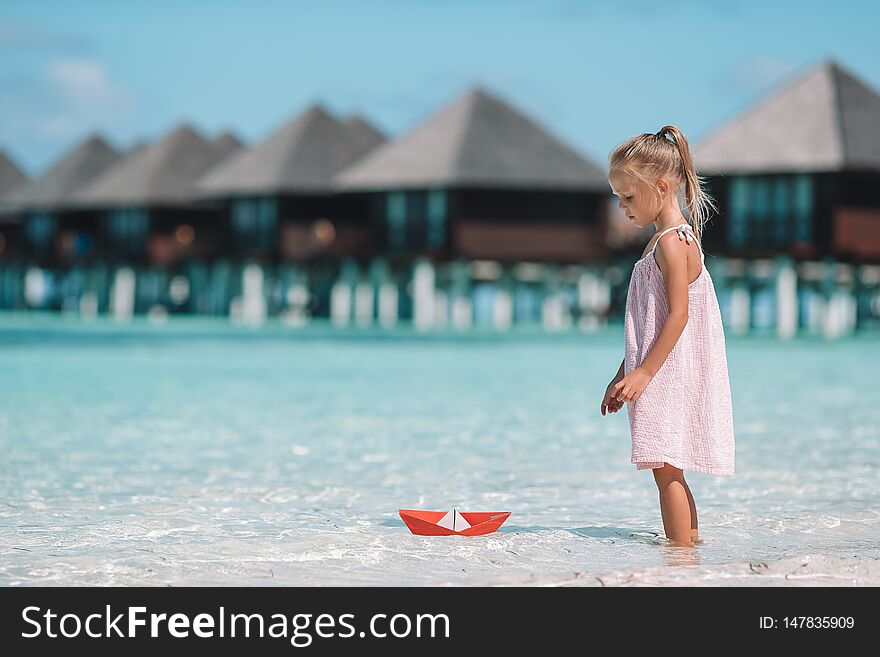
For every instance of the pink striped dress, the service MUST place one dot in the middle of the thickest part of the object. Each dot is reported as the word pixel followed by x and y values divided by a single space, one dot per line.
pixel 684 416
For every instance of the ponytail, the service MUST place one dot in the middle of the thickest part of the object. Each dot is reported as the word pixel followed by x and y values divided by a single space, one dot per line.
pixel 699 204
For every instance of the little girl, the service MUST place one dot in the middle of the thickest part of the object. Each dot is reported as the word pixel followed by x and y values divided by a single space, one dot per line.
pixel 674 372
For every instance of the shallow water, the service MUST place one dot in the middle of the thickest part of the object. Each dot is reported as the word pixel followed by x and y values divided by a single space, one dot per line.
pixel 203 454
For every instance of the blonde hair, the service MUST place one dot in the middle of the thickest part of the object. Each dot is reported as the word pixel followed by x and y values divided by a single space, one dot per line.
pixel 649 157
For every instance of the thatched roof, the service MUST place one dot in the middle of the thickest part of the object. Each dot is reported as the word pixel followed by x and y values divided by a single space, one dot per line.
pixel 161 173
pixel 134 148
pixel 226 144
pixel 477 140
pixel 11 177
pixel 65 178
pixel 823 120
pixel 11 180
pixel 364 131
pixel 301 156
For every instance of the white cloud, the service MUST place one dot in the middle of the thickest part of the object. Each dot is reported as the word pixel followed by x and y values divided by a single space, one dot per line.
pixel 46 110
pixel 86 85
pixel 84 99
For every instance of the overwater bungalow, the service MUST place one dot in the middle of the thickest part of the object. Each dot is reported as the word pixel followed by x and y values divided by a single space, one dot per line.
pixel 797 180
pixel 478 215
pixel 281 204
pixel 55 232
pixel 480 180
pixel 483 187
pixel 148 226
pixel 799 173
pixel 145 201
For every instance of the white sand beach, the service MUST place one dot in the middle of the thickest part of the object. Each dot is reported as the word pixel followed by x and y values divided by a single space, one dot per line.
pixel 807 570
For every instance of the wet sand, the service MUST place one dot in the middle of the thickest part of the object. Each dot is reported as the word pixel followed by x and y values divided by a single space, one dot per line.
pixel 807 570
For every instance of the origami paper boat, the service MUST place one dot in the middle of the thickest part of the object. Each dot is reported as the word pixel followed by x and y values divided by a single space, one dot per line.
pixel 448 523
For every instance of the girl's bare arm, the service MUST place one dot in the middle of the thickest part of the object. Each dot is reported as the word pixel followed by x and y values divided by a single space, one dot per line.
pixel 672 258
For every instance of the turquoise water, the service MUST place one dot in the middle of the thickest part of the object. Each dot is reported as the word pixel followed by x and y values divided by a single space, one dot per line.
pixel 198 453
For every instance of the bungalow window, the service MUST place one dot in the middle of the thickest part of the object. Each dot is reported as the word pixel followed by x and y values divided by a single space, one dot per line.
pixel 781 209
pixel 126 229
pixel 40 228
pixel 396 219
pixel 803 208
pixel 254 222
pixel 765 211
pixel 737 232
pixel 436 218
pixel 761 210
pixel 416 218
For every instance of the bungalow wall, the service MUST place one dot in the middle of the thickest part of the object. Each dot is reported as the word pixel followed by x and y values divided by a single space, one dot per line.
pixel 508 226
pixel 11 238
pixel 805 215
pixel 502 225
pixel 299 228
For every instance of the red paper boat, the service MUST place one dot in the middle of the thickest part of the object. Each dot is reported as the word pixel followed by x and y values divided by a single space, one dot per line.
pixel 448 523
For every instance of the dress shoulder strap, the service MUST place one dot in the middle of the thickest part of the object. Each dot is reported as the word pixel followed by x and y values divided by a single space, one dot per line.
pixel 685 231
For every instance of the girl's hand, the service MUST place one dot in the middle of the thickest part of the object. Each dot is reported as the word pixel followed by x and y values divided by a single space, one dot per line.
pixel 608 401
pixel 630 387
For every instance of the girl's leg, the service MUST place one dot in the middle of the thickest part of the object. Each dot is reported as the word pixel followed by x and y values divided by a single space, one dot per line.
pixel 674 504
pixel 695 534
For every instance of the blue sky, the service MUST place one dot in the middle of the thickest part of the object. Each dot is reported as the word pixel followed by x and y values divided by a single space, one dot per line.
pixel 594 73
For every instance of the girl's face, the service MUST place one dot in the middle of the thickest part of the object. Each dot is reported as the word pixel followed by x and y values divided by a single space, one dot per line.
pixel 635 199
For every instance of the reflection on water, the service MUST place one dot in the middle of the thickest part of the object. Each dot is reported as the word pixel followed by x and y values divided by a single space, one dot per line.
pixel 212 456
